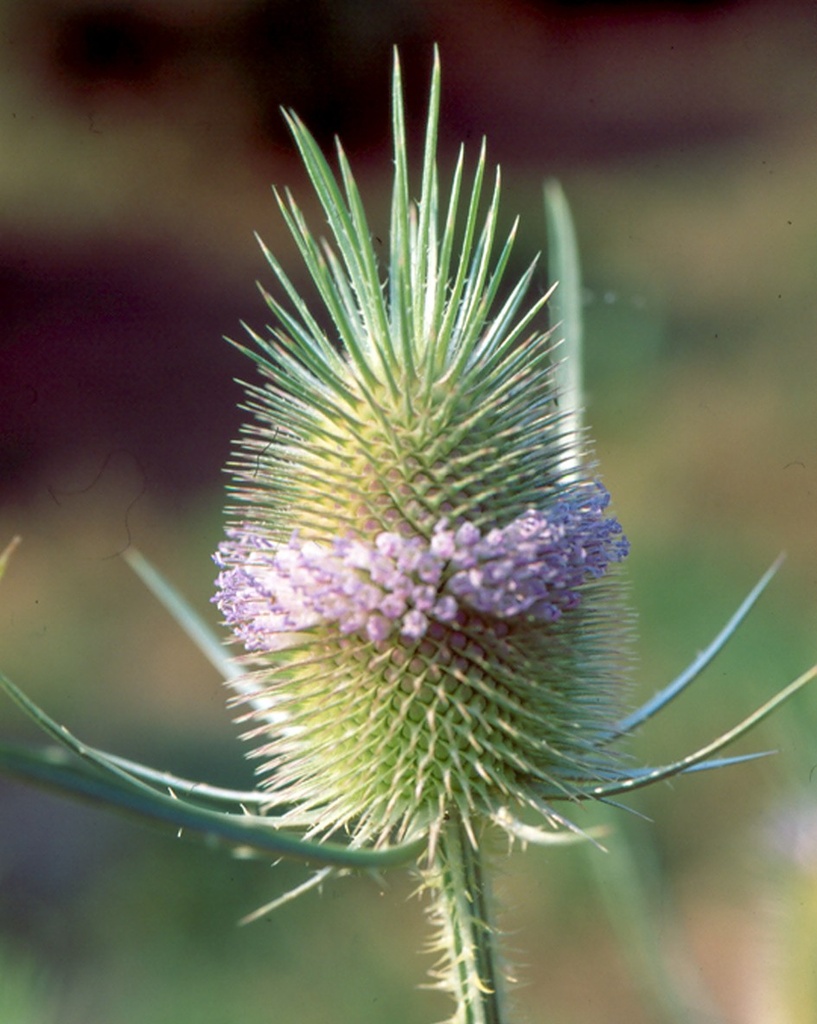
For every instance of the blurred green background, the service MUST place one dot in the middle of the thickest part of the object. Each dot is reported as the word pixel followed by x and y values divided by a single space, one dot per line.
pixel 137 145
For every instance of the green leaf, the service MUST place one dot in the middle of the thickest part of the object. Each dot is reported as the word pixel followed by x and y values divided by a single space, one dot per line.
pixel 699 759
pixel 696 667
pixel 566 305
pixel 92 775
pixel 182 612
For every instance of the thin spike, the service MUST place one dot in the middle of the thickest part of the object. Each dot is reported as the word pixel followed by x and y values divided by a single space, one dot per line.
pixel 694 669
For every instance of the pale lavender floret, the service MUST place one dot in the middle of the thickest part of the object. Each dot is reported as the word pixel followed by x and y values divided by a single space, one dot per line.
pixel 536 566
pixel 429 568
pixel 389 544
pixel 467 535
pixel 442 544
pixel 378 628
pixel 424 598
pixel 446 609
pixel 393 606
pixel 414 625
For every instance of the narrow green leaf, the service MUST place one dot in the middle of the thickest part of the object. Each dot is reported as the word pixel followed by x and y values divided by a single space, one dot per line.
pixel 190 621
pixel 696 759
pixel 91 775
pixel 691 673
pixel 566 304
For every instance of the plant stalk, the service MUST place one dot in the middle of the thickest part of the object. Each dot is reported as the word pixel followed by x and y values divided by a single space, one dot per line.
pixel 469 966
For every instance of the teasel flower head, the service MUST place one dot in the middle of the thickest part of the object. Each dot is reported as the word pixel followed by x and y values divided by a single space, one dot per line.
pixel 422 564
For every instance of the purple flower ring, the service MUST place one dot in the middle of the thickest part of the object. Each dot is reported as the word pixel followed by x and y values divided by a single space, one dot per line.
pixel 535 567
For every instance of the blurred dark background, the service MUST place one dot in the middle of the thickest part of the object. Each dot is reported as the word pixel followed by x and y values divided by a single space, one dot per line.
pixel 138 142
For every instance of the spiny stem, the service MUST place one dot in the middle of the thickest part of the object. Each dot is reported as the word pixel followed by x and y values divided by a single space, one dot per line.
pixel 469 966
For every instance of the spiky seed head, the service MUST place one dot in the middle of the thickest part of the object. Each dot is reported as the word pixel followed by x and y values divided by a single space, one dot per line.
pixel 419 570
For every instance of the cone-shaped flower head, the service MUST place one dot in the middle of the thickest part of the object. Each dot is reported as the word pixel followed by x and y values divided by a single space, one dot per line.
pixel 421 562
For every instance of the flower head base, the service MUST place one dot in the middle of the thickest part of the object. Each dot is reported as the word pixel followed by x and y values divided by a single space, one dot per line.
pixel 421 564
